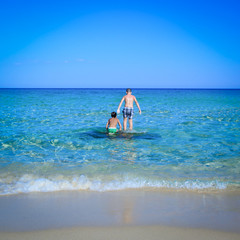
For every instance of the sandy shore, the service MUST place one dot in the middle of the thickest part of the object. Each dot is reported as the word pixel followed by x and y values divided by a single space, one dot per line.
pixel 133 214
pixel 119 233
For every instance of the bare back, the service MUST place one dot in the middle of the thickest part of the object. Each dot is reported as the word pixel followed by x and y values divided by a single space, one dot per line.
pixel 113 122
pixel 129 100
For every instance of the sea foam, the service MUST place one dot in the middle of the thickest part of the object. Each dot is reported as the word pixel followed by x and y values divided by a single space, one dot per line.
pixel 30 183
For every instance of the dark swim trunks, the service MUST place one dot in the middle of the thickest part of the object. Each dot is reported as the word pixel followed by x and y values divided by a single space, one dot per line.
pixel 128 112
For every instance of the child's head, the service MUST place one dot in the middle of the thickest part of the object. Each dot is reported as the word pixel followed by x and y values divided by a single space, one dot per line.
pixel 113 114
pixel 129 90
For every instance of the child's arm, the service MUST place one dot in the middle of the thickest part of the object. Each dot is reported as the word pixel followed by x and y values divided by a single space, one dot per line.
pixel 137 105
pixel 107 124
pixel 120 126
pixel 120 104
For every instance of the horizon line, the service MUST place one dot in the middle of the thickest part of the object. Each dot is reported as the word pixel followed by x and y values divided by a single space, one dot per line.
pixel 109 88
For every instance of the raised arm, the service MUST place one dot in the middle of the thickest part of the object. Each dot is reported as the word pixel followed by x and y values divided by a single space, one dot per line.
pixel 120 104
pixel 137 105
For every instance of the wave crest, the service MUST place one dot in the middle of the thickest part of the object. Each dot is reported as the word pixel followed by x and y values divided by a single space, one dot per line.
pixel 31 183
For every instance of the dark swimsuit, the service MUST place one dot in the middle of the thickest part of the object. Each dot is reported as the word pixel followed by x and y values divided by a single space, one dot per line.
pixel 128 112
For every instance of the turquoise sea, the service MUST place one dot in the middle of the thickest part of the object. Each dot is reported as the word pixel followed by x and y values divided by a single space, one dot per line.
pixel 55 139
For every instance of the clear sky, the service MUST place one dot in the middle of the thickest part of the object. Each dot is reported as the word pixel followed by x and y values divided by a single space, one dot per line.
pixel 138 44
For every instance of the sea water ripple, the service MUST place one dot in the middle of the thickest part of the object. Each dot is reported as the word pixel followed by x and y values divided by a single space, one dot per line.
pixel 55 139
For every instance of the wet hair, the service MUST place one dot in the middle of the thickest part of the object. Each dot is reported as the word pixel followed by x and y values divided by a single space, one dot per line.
pixel 129 90
pixel 113 114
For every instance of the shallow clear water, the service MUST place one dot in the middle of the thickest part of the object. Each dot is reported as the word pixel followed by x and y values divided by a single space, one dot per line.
pixel 55 139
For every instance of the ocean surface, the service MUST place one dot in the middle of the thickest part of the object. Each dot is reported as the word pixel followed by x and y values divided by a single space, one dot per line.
pixel 55 139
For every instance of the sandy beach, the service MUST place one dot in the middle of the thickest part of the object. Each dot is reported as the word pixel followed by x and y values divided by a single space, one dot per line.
pixel 120 120
pixel 115 233
pixel 131 214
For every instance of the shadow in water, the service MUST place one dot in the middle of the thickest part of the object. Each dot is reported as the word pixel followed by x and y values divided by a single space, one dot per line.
pixel 102 133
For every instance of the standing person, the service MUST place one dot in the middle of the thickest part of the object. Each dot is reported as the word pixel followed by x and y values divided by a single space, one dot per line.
pixel 128 108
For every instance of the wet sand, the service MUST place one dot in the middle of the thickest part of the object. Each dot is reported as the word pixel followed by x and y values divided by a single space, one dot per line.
pixel 119 233
pixel 132 214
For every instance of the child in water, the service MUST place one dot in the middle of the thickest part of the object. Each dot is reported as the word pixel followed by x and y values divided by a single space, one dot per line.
pixel 112 123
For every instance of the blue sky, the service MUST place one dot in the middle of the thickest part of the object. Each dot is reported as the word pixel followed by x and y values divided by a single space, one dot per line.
pixel 154 44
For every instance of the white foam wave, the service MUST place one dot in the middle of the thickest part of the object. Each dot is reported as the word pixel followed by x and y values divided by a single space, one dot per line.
pixel 30 183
